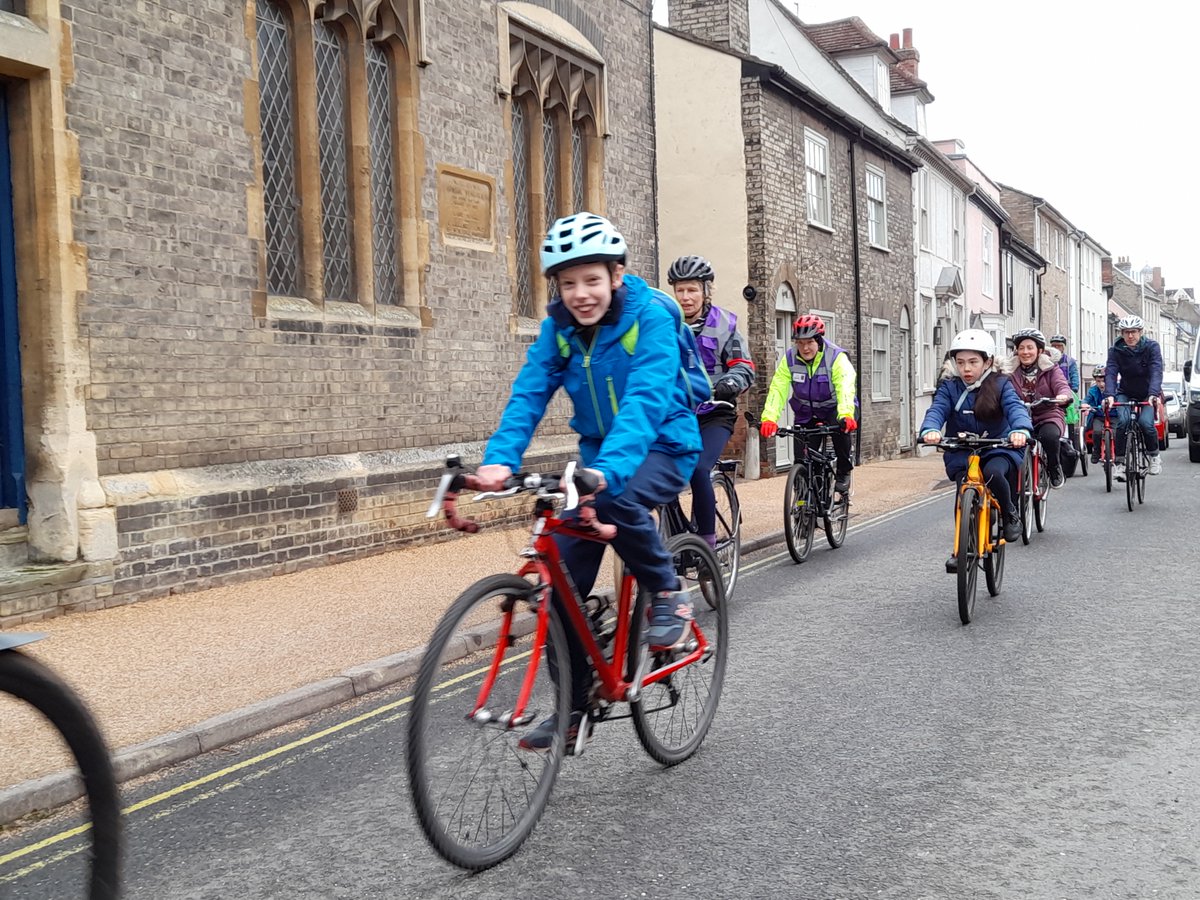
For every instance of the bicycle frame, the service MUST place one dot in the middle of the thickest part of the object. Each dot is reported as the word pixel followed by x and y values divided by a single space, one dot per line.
pixel 975 479
pixel 815 460
pixel 545 562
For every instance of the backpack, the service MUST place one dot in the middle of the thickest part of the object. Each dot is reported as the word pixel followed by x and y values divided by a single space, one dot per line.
pixel 691 366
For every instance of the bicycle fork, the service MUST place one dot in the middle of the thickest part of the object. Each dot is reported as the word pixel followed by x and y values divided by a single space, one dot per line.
pixel 517 716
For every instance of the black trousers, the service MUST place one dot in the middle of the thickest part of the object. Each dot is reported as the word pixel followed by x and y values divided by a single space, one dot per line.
pixel 842 446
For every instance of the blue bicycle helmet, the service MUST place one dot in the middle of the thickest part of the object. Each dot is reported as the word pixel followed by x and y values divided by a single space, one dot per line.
pixel 582 238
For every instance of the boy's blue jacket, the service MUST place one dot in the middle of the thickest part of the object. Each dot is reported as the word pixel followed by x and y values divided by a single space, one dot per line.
pixel 944 417
pixel 1094 398
pixel 628 396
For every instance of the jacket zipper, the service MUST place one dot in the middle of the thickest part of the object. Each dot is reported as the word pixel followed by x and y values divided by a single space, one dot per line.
pixel 587 370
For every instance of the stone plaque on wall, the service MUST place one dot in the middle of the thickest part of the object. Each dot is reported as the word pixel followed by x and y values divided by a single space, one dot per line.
pixel 466 207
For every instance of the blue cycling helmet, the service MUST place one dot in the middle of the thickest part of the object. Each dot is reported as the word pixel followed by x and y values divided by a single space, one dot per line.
pixel 582 238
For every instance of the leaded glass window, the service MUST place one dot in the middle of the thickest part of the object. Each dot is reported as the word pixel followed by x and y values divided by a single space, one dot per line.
pixel 520 155
pixel 335 185
pixel 383 176
pixel 578 187
pixel 550 171
pixel 277 115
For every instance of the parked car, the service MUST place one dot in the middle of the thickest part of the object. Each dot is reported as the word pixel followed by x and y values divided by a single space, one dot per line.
pixel 1174 391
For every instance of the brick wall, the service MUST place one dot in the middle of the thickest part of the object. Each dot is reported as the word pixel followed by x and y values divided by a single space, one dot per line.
pixel 184 376
pixel 819 264
pixel 724 22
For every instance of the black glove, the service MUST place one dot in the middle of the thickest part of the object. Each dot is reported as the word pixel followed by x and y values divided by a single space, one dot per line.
pixel 725 390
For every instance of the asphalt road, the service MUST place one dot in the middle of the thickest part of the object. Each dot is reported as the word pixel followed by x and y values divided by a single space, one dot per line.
pixel 867 745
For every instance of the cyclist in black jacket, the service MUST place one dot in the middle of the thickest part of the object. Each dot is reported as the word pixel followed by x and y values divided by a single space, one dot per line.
pixel 1135 362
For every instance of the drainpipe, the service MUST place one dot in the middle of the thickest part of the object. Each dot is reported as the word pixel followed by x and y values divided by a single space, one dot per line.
pixel 857 304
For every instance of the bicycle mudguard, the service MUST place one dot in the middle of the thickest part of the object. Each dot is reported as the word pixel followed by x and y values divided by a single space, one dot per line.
pixel 10 641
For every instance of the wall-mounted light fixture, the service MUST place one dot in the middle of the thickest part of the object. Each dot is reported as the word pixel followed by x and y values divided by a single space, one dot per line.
pixel 937 334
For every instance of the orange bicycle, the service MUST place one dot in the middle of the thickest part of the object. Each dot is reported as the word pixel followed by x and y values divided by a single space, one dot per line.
pixel 978 525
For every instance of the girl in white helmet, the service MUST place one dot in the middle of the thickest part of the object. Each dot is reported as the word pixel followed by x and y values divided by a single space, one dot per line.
pixel 975 397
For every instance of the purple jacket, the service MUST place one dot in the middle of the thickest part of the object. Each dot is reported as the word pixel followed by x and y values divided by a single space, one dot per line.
pixel 1050 382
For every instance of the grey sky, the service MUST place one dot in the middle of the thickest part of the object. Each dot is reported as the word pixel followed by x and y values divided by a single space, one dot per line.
pixel 1092 106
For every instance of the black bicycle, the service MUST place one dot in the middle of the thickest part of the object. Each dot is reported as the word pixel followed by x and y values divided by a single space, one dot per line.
pixel 32 683
pixel 1137 456
pixel 672 520
pixel 810 492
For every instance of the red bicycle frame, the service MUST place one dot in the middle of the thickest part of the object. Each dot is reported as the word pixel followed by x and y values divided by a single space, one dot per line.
pixel 545 562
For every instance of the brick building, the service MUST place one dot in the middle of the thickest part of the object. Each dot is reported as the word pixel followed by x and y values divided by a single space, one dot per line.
pixel 275 259
pixel 811 185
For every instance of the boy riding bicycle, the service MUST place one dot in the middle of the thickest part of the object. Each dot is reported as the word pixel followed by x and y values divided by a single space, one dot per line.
pixel 726 358
pixel 820 380
pixel 637 429
pixel 1094 424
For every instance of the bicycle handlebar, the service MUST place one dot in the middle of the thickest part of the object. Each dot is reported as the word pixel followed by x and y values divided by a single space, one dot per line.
pixel 796 430
pixel 967 441
pixel 571 485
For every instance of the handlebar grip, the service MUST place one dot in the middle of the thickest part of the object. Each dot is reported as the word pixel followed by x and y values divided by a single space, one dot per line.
pixel 586 482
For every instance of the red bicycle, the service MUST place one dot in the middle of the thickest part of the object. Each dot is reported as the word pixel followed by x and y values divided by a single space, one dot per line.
pixel 498 663
pixel 1035 484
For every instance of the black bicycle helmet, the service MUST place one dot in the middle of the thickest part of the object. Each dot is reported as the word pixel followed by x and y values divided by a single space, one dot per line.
pixel 690 268
pixel 1058 339
pixel 1098 372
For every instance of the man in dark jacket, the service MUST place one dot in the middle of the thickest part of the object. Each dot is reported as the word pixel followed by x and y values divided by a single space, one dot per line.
pixel 1134 372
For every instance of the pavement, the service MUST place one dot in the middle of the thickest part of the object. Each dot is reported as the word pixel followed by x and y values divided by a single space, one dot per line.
pixel 173 678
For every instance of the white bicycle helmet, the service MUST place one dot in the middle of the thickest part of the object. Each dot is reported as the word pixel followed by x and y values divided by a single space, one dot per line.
pixel 1126 323
pixel 582 238
pixel 974 339
pixel 1030 334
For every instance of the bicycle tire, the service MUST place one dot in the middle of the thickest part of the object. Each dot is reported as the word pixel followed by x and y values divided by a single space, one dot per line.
pixel 1131 461
pixel 968 552
pixel 729 530
pixel 1026 500
pixel 1108 453
pixel 661 712
pixel 1041 496
pixel 35 684
pixel 469 635
pixel 799 516
pixel 1083 456
pixel 1143 470
pixel 993 562
pixel 838 519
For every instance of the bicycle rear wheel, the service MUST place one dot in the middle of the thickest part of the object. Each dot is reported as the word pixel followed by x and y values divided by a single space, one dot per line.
pixel 32 683
pixel 1143 471
pixel 673 713
pixel 477 794
pixel 993 562
pixel 799 514
pixel 839 517
pixel 729 531
pixel 1026 503
pixel 968 552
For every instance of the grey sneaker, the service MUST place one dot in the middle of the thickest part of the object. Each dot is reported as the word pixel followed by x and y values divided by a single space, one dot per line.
pixel 670 618
pixel 1155 465
pixel 1119 471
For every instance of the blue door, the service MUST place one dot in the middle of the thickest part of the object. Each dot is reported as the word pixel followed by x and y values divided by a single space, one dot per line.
pixel 12 426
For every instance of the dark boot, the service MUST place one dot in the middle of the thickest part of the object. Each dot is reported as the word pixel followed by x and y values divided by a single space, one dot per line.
pixel 1012 525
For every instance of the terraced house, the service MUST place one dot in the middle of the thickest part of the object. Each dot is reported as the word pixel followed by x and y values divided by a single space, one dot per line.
pixel 274 259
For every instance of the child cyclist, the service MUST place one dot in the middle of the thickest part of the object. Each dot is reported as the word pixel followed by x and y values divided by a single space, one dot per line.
pixel 817 379
pixel 726 358
pixel 974 397
pixel 642 441
pixel 1091 405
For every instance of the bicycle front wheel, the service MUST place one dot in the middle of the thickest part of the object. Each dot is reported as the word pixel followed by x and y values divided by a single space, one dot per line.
pixel 799 514
pixel 993 562
pixel 1106 460
pixel 1041 496
pixel 968 552
pixel 1026 507
pixel 839 518
pixel 478 794
pixel 1131 470
pixel 32 683
pixel 676 706
pixel 1143 471
pixel 729 531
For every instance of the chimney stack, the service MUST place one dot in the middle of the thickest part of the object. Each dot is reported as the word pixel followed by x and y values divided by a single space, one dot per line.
pixel 1156 280
pixel 723 22
pixel 894 41
pixel 1106 267
pixel 1123 265
pixel 909 57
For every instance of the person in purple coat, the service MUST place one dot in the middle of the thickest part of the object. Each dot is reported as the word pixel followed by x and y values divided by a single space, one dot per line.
pixel 1040 382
